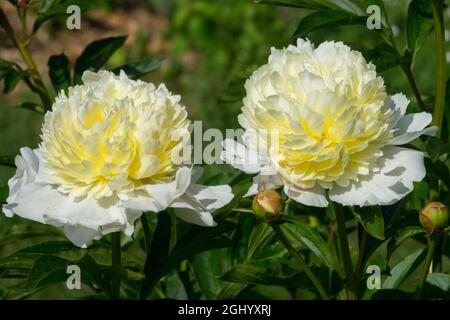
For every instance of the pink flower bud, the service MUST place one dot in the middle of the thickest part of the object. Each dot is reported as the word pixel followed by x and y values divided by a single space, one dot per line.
pixel 267 205
pixel 434 217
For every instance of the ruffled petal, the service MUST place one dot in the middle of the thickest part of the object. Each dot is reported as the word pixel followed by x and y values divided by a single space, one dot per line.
pixel 400 168
pixel 411 126
pixel 27 164
pixel 262 182
pixel 241 157
pixel 311 197
pixel 158 197
pixel 196 205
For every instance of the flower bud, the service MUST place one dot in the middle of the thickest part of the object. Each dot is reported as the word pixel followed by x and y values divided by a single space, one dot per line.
pixel 23 3
pixel 267 205
pixel 434 217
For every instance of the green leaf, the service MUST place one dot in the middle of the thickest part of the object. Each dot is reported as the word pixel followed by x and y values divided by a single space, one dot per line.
pixel 372 220
pixel 309 238
pixel 326 19
pixel 435 148
pixel 439 170
pixel 392 294
pixel 96 55
pixel 250 274
pixel 59 72
pixel 51 9
pixel 12 78
pixel 198 239
pixel 136 70
pixel 406 233
pixel 380 4
pixel 7 161
pixel 383 56
pixel 419 195
pixel 158 254
pixel 174 287
pixel 231 291
pixel 204 274
pixel 258 236
pixel 5 66
pixel 47 270
pixel 343 5
pixel 18 261
pixel 437 286
pixel 297 4
pixel 403 269
pixel 419 24
pixel 31 106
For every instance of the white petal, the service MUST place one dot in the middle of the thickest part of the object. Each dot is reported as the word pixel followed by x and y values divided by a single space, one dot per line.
pixel 196 204
pixel 202 218
pixel 241 157
pixel 263 182
pixel 131 216
pixel 400 103
pixel 311 197
pixel 81 236
pixel 103 215
pixel 34 200
pixel 400 167
pixel 159 196
pixel 411 127
pixel 27 164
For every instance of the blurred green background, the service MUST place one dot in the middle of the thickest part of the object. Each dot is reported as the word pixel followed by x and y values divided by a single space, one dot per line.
pixel 209 49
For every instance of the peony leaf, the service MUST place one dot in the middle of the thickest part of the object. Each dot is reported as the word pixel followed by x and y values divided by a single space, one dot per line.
pixel 403 269
pixel 256 275
pixel 372 220
pixel 383 56
pixel 5 66
pixel 304 4
pixel 136 70
pixel 12 78
pixel 327 18
pixel 59 72
pixel 205 274
pixel 51 9
pixel 308 237
pixel 96 54
pixel 157 255
pixel 419 24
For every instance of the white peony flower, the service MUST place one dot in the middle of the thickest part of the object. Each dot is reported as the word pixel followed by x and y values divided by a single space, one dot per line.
pixel 106 157
pixel 319 119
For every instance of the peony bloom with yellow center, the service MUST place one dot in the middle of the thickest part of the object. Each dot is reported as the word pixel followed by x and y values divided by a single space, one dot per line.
pixel 320 119
pixel 107 155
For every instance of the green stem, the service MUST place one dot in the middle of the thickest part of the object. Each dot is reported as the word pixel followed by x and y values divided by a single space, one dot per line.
pixel 298 258
pixel 243 210
pixel 438 14
pixel 415 89
pixel 432 244
pixel 28 59
pixel 147 233
pixel 116 265
pixel 351 287
pixel 362 252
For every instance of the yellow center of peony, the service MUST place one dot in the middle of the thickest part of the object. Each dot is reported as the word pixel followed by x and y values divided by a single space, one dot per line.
pixel 328 109
pixel 112 135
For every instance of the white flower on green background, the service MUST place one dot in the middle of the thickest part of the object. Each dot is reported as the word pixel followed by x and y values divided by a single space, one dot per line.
pixel 336 129
pixel 106 157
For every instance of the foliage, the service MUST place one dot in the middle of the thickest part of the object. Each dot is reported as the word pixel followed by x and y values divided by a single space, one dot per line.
pixel 241 258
